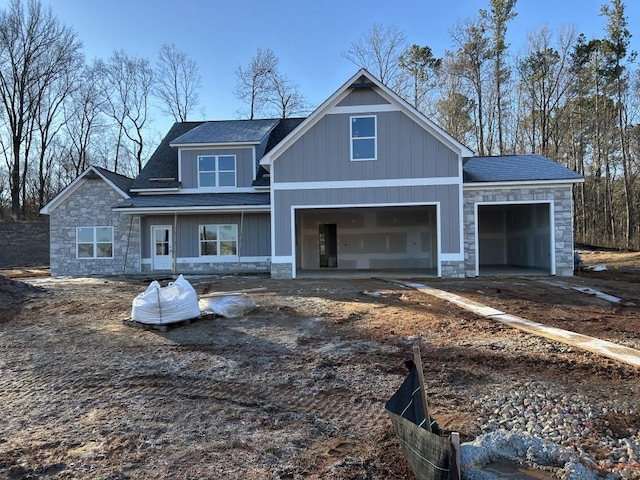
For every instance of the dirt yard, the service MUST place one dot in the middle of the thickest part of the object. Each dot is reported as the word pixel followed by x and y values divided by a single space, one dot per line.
pixel 296 388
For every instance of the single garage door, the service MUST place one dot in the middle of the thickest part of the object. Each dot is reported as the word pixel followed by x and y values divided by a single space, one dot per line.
pixel 514 238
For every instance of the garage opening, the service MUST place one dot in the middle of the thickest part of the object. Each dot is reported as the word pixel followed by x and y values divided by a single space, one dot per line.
pixel 367 239
pixel 514 239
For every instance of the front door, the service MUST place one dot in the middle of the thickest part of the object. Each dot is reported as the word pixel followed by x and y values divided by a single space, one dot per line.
pixel 161 247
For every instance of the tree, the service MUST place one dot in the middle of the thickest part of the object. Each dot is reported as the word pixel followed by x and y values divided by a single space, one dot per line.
pixel 254 80
pixel 615 49
pixel 378 51
pixel 126 84
pixel 422 67
pixel 470 62
pixel 501 12
pixel 36 52
pixel 178 82
pixel 285 97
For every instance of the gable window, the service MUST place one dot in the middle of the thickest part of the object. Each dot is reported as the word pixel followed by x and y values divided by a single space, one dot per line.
pixel 218 240
pixel 94 242
pixel 217 170
pixel 363 138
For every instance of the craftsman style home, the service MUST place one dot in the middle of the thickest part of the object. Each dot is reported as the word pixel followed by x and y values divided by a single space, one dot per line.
pixel 365 183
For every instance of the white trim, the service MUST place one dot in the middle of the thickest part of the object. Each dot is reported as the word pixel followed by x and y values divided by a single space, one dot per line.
pixel 391 182
pixel 452 257
pixel 552 229
pixel 386 93
pixel 349 109
pixel 197 146
pixel 218 240
pixel 282 260
pixel 73 186
pixel 153 191
pixel 374 138
pixel 198 209
pixel 527 184
pixel 189 191
pixel 180 166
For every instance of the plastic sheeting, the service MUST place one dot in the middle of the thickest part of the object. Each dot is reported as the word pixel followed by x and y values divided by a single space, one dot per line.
pixel 176 302
pixel 230 306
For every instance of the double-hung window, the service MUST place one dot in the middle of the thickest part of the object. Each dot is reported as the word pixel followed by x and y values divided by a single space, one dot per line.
pixel 94 242
pixel 363 138
pixel 217 170
pixel 218 240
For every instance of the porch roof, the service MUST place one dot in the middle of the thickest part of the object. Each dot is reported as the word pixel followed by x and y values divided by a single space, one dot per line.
pixel 196 201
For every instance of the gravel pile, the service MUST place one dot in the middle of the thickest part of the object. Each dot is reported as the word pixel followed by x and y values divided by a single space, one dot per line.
pixel 539 425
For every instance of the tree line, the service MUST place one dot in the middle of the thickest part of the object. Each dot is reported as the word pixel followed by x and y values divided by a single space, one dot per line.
pixel 572 98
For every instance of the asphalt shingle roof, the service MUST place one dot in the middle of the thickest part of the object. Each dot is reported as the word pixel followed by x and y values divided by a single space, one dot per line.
pixel 515 168
pixel 196 200
pixel 228 131
pixel 164 161
pixel 120 181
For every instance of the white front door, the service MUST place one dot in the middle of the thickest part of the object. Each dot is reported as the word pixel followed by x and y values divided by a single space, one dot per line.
pixel 161 247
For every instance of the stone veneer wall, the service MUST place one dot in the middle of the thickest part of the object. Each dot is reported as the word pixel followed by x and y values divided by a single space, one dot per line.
pixel 281 270
pixel 562 197
pixel 90 206
pixel 215 268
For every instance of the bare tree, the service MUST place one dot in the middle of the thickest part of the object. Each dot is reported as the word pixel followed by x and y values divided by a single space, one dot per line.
pixel 126 84
pixel 254 80
pixel 36 51
pixel 285 97
pixel 178 82
pixel 378 51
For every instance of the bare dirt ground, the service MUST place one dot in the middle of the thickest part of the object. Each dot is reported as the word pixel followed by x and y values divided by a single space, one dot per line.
pixel 296 388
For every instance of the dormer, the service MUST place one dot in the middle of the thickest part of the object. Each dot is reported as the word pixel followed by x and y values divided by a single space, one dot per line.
pixel 221 156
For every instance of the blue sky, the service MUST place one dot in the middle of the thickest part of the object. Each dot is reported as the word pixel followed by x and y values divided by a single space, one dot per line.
pixel 308 37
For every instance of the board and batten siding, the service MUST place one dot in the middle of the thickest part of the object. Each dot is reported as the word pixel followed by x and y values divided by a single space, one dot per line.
pixel 245 165
pixel 363 96
pixel 254 237
pixel 404 150
pixel 446 196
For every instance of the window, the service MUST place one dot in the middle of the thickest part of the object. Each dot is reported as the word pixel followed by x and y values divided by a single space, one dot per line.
pixel 217 170
pixel 218 240
pixel 363 138
pixel 94 242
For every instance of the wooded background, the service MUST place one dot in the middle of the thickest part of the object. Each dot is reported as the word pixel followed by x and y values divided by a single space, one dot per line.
pixel 572 98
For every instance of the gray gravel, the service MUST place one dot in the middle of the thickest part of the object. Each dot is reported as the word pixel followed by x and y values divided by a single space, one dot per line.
pixel 540 425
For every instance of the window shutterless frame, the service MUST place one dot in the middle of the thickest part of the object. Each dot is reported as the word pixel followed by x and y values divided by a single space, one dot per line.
pixel 218 240
pixel 94 243
pixel 364 133
pixel 216 171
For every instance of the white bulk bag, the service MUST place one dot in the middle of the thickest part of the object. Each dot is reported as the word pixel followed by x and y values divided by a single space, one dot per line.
pixel 176 302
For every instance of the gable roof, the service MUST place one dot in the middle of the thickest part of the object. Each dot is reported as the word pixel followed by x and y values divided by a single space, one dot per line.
pixel 364 78
pixel 119 183
pixel 516 168
pixel 227 131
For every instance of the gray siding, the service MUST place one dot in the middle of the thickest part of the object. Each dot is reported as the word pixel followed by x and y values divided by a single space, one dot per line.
pixel 245 166
pixel 446 195
pixel 404 150
pixel 90 206
pixel 255 237
pixel 363 96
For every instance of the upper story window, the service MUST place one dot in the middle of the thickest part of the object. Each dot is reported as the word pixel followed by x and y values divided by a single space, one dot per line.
pixel 217 170
pixel 94 242
pixel 363 138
